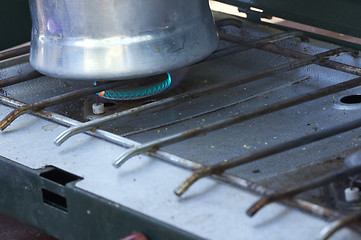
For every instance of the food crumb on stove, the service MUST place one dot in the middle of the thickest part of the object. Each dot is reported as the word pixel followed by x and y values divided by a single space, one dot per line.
pixel 212 146
pixel 265 143
pixel 314 128
pixel 246 146
pixel 306 133
pixel 158 131
pixel 256 171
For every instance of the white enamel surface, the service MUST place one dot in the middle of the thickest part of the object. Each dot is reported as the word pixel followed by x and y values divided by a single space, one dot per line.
pixel 211 210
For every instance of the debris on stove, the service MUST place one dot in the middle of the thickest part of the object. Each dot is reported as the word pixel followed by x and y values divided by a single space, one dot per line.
pixel 243 117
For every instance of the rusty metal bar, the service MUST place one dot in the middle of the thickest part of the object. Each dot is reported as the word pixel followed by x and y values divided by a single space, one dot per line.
pixel 238 161
pixel 6 54
pixel 58 99
pixel 331 229
pixel 255 44
pixel 318 182
pixel 282 51
pixel 143 130
pixel 300 204
pixel 20 78
pixel 151 146
pixel 181 162
pixel 297 55
pixel 197 93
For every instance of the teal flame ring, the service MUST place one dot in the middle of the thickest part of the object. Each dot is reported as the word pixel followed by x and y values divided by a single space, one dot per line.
pixel 137 93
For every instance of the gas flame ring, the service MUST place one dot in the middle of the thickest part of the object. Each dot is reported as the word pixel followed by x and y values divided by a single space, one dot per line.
pixel 137 93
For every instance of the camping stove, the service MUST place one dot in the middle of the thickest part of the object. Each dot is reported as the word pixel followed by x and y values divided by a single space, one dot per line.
pixel 269 117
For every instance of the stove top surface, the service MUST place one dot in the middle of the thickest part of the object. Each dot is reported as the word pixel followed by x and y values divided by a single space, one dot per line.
pixel 210 209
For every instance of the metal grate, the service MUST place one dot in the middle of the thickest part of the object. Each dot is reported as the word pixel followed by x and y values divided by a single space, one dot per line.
pixel 216 170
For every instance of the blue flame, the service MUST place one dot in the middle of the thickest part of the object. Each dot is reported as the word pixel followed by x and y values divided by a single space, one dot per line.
pixel 120 94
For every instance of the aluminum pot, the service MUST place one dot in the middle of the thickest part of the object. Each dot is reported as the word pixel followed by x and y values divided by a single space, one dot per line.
pixel 119 39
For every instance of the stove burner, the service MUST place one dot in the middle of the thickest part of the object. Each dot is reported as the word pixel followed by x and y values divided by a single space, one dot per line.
pixel 153 85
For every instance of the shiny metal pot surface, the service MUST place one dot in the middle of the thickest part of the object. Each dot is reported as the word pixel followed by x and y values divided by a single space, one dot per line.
pixel 119 39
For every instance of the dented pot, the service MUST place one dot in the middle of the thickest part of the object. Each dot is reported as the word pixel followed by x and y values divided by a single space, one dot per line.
pixel 119 39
